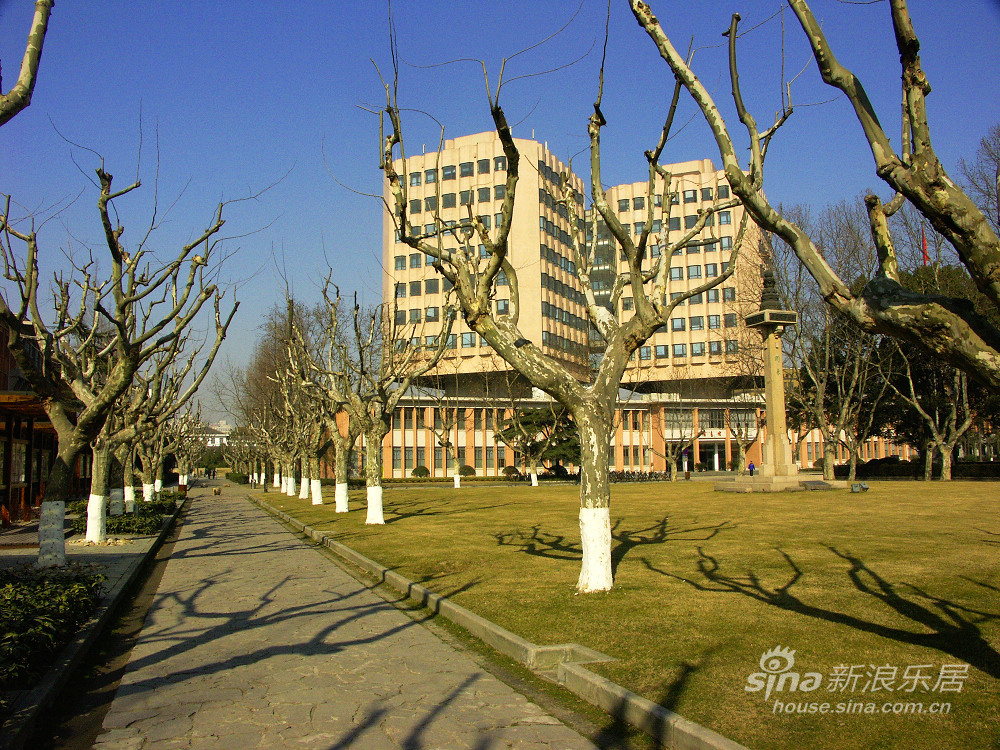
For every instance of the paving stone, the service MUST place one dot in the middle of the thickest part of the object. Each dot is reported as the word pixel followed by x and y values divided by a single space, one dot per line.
pixel 255 640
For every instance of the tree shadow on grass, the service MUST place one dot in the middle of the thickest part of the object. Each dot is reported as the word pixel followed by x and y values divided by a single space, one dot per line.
pixel 948 627
pixel 994 534
pixel 430 510
pixel 557 547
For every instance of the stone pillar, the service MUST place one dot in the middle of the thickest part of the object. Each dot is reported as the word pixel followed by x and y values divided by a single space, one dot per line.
pixel 776 449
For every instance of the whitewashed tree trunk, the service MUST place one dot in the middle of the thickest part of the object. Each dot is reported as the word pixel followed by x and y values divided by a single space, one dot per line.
pixel 116 503
pixel 317 492
pixel 129 492
pixel 595 534
pixel 158 486
pixel 147 492
pixel 458 481
pixel 97 519
pixel 534 479
pixel 375 506
pixel 595 501
pixel 277 481
pixel 304 490
pixel 340 497
pixel 290 487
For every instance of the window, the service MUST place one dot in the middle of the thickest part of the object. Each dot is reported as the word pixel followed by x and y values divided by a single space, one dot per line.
pixel 408 453
pixel 431 203
pixel 499 163
pixel 726 243
pixel 715 348
pixel 397 458
pixel 697 323
pixel 725 217
pixel 432 314
pixel 680 350
pixel 414 179
pixel 430 176
pixel 448 173
pixel 723 192
pixel 431 286
pixel 452 341
pixel 623 204
pixel 400 261
pixel 639 203
pixel 706 195
pixel 714 321
pixel 730 320
pixel 468 340
pixel 502 279
pixel 415 315
pixel 498 220
pixel 690 220
pixel 503 307
pixel 483 166
pixel 695 299
pixel 500 192
pixel 674 223
pixel 639 226
pixel 448 200
pixel 465 169
pixel 676 274
pixel 483 194
pixel 400 290
pixel 415 260
pixel 713 295
pixel 732 346
pixel 675 295
pixel 400 317
pixel 645 352
pixel 415 288
pixel 728 294
pixel 677 324
pixel 694 272
pixel 415 206
pixel 627 303
pixel 430 229
pixel 711 270
pixel 698 349
pixel 662 352
pixel 690 196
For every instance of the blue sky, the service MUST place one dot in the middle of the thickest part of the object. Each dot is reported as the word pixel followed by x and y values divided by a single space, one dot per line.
pixel 239 95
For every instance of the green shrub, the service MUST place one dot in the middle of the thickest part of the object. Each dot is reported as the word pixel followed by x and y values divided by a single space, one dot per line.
pixel 237 478
pixel 420 472
pixel 40 611
pixel 512 473
pixel 466 471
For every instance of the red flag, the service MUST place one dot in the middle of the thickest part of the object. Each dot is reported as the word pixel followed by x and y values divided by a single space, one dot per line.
pixel 923 240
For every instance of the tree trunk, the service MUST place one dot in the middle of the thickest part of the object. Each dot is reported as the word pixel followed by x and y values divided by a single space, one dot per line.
pixel 128 481
pixel 306 481
pixel 672 468
pixel 58 489
pixel 595 502
pixel 315 487
pixel 852 471
pixel 97 505
pixel 534 473
pixel 277 477
pixel 829 457
pixel 373 475
pixel 946 452
pixel 158 482
pixel 928 462
pixel 340 498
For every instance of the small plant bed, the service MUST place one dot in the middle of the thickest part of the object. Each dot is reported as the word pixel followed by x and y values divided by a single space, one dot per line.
pixel 901 580
pixel 146 519
pixel 40 611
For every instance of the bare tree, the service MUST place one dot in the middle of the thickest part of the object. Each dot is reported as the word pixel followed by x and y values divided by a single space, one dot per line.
pixel 19 96
pixel 947 327
pixel 982 175
pixel 93 344
pixel 474 276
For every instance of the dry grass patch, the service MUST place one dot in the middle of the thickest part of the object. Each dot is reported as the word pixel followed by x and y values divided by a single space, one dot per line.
pixel 904 575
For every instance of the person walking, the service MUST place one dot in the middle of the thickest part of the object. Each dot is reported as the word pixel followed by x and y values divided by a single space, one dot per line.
pixel 751 468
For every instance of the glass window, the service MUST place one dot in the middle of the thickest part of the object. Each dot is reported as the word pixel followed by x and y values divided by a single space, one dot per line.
pixel 680 350
pixel 675 295
pixel 468 340
pixel 729 294
pixel 698 349
pixel 730 320
pixel 677 324
pixel 690 220
pixel 725 217
pixel 415 288
pixel 639 226
pixel 465 197
pixel 415 315
pixel 483 194
pixel 415 260
pixel 645 352
pixel 714 321
pixel 662 351
pixel 639 203
pixel 623 204
pixel 448 200
pixel 415 206
pixel 483 166
pixel 503 307
pixel 690 196
pixel 431 286
pixel 465 169
pixel 452 340
pixel 674 223
pixel 697 323
pixel 711 270
pixel 713 295
pixel 397 458
pixel 695 299
pixel 499 163
pixel 706 195
pixel 414 179
pixel 430 176
pixel 627 303
pixel 400 317
pixel 723 192
pixel 715 347
pixel 448 173
pixel 400 290
pixel 500 192
pixel 676 274
pixel 400 262
pixel 408 453
pixel 432 314
pixel 694 272
pixel 431 203
pixel 732 346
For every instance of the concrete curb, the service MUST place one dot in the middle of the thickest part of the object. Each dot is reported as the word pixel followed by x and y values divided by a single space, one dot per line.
pixel 567 659
pixel 18 728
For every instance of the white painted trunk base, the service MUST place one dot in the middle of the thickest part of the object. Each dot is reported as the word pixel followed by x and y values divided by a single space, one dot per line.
pixel 375 506
pixel 277 480
pixel 147 493
pixel 158 486
pixel 51 535
pixel 129 499
pixel 97 519
pixel 340 497
pixel 304 490
pixel 183 479
pixel 316 488
pixel 290 487
pixel 595 534
pixel 254 479
pixel 534 479
pixel 458 481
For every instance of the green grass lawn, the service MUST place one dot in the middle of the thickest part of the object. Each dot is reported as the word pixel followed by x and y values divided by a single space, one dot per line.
pixel 901 576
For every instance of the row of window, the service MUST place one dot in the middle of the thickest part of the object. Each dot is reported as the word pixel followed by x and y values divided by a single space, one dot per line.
pixel 403 458
pixel 698 349
pixel 674 223
pixel 464 198
pixel 554 312
pixel 432 230
pixel 563 289
pixel 550 201
pixel 690 196
pixel 556 341
pixel 548 173
pixel 694 322
pixel 557 259
pixel 465 169
pixel 555 232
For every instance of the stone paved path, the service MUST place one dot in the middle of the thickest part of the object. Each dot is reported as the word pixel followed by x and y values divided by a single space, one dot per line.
pixel 257 641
